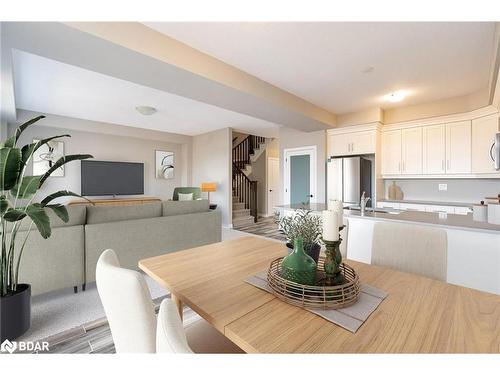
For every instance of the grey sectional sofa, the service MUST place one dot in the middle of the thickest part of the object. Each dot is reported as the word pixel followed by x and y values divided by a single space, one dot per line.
pixel 68 258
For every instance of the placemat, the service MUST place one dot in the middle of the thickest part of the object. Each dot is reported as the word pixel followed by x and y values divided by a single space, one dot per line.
pixel 350 318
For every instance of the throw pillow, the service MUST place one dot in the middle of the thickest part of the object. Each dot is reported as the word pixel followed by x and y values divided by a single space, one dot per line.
pixel 186 197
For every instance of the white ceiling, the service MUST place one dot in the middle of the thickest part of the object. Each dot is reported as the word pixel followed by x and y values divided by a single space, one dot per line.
pixel 48 86
pixel 323 62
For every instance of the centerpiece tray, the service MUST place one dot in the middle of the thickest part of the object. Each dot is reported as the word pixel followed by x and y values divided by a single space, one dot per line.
pixel 319 296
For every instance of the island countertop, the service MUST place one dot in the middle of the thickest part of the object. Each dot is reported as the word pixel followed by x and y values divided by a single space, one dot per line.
pixel 451 221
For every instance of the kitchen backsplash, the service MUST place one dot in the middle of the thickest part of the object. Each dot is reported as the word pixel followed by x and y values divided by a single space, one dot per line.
pixel 466 190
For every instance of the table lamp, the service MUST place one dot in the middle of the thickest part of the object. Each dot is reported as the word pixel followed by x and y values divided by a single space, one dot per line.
pixel 208 187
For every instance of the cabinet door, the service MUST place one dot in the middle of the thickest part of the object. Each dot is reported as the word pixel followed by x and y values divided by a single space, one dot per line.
pixel 458 147
pixel 339 144
pixel 447 209
pixel 434 149
pixel 412 207
pixel 483 135
pixel 388 205
pixel 363 142
pixel 411 150
pixel 391 152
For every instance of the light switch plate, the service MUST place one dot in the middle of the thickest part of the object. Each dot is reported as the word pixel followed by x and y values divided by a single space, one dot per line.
pixel 443 187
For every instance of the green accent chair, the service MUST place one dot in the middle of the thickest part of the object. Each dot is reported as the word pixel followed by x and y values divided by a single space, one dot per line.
pixel 186 190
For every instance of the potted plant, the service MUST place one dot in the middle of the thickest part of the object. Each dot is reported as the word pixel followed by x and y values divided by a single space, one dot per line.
pixel 17 203
pixel 302 224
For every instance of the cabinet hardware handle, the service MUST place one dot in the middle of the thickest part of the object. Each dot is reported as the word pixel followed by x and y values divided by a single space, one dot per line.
pixel 448 165
pixel 399 166
pixel 442 165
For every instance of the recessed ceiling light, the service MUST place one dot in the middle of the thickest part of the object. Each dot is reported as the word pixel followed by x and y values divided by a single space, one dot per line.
pixel 396 96
pixel 145 110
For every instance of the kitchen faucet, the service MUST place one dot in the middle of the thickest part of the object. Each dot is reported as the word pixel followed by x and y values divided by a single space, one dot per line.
pixel 362 203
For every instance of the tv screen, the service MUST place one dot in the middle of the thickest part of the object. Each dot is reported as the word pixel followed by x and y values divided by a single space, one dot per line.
pixel 112 178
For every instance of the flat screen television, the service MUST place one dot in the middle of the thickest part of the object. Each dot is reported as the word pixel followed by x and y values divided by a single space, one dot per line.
pixel 111 178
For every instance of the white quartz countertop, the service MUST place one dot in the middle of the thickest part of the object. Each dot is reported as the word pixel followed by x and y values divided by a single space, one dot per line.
pixel 415 201
pixel 451 221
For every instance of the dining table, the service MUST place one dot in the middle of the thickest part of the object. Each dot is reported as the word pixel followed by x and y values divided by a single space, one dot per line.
pixel 419 314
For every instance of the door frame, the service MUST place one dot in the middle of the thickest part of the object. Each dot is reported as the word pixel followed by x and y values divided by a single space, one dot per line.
pixel 270 210
pixel 306 150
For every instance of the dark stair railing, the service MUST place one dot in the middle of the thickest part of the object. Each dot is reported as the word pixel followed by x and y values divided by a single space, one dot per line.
pixel 243 187
pixel 243 150
pixel 246 190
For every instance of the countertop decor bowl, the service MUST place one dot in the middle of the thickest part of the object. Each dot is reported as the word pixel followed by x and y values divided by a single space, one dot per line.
pixel 318 296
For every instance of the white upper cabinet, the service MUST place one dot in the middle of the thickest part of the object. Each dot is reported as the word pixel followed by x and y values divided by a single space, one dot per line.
pixel 355 143
pixel 391 152
pixel 458 147
pixel 483 134
pixel 434 149
pixel 339 144
pixel 411 151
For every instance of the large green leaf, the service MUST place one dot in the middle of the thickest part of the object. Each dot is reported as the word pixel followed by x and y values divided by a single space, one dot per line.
pixel 14 215
pixel 61 161
pixel 11 142
pixel 10 161
pixel 60 211
pixel 4 204
pixel 27 188
pixel 59 194
pixel 37 213
pixel 30 148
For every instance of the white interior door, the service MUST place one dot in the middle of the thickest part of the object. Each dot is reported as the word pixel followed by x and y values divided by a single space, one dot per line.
pixel 273 181
pixel 300 175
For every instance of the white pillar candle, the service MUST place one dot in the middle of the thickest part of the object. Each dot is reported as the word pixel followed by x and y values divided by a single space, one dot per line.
pixel 330 225
pixel 338 206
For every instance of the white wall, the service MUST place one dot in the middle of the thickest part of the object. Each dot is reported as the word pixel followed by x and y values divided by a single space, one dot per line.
pixel 466 190
pixel 290 138
pixel 114 148
pixel 211 162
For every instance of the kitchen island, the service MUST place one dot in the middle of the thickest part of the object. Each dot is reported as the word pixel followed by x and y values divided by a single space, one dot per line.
pixel 473 256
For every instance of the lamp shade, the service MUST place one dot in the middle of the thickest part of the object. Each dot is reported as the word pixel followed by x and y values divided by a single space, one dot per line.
pixel 208 187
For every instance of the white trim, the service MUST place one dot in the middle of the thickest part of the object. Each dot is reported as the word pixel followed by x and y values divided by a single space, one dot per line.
pixel 439 176
pixel 355 128
pixel 306 150
pixel 481 112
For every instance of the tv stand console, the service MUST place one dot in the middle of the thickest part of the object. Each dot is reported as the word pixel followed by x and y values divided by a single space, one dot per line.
pixel 115 201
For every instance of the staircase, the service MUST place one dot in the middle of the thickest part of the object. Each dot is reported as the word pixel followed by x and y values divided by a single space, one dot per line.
pixel 244 188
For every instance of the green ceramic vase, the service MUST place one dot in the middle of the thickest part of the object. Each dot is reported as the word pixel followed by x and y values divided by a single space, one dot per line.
pixel 298 266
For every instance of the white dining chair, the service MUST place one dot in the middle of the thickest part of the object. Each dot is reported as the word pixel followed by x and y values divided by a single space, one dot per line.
pixel 132 320
pixel 411 248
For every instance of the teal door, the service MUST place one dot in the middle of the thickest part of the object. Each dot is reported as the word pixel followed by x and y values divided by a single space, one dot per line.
pixel 300 179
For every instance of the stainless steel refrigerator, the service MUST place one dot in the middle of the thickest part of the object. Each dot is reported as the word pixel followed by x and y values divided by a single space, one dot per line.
pixel 347 178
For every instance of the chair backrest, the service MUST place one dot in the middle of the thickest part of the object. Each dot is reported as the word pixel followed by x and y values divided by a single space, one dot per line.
pixel 170 335
pixel 186 190
pixel 128 305
pixel 411 248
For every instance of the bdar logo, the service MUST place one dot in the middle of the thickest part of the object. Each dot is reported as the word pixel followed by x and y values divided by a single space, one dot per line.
pixel 8 346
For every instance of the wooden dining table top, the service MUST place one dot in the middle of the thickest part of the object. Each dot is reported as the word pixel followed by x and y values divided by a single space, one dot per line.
pixel 419 315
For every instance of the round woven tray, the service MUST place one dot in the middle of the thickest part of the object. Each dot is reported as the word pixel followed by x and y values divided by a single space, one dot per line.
pixel 315 296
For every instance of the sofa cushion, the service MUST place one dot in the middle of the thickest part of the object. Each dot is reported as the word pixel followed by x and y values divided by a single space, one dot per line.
pixel 106 214
pixel 171 208
pixel 77 216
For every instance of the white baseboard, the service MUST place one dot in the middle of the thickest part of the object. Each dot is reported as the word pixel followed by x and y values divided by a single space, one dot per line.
pixel 230 226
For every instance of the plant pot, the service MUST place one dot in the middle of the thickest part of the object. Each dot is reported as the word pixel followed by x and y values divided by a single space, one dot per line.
pixel 311 250
pixel 15 313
